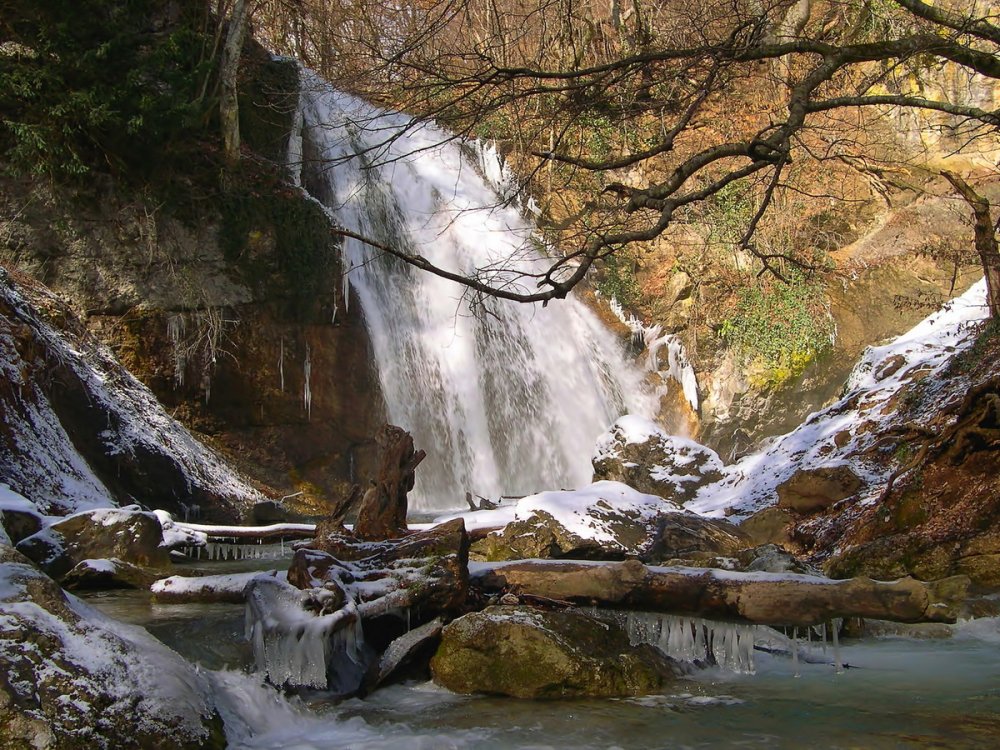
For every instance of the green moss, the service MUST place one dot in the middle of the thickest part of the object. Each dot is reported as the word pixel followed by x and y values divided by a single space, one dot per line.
pixel 268 98
pixel 776 329
pixel 279 241
pixel 617 278
pixel 87 88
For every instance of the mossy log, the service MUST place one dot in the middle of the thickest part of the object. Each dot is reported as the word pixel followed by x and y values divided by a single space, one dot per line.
pixel 760 598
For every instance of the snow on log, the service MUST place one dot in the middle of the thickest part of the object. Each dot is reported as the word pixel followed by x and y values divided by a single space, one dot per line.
pixel 761 598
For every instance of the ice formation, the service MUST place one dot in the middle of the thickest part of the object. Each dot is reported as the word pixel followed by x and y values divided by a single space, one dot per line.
pixel 296 647
pixel 232 551
pixel 729 645
pixel 655 341
pixel 306 383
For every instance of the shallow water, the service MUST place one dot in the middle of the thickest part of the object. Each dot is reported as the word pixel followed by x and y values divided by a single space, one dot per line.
pixel 897 693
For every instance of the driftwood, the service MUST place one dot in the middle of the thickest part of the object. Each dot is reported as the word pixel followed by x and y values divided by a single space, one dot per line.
pixel 428 570
pixel 760 598
pixel 382 514
pixel 333 523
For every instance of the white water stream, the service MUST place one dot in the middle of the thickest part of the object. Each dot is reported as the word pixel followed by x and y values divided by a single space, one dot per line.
pixel 507 402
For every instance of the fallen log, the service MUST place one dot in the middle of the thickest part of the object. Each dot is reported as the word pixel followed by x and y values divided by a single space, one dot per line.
pixel 272 531
pixel 230 588
pixel 759 598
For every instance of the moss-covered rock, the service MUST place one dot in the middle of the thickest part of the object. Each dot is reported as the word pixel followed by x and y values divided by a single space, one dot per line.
pixel 530 653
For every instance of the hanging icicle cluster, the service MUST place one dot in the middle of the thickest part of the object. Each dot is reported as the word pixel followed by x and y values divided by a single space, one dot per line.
pixel 803 649
pixel 295 647
pixel 230 551
pixel 729 645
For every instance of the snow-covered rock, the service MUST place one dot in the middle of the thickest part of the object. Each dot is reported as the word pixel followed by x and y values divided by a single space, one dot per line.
pixel 639 453
pixel 75 679
pixel 18 516
pixel 126 534
pixel 80 432
pixel 602 520
pixel 845 433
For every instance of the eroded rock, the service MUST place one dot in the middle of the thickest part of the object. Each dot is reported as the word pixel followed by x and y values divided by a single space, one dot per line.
pixel 811 490
pixel 694 538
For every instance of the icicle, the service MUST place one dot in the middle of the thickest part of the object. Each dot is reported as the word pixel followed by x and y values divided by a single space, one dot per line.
pixel 835 635
pixel 281 364
pixel 690 639
pixel 296 648
pixel 306 389
pixel 795 650
pixel 253 550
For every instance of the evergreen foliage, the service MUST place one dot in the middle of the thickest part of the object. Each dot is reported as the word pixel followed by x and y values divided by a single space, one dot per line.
pixel 119 86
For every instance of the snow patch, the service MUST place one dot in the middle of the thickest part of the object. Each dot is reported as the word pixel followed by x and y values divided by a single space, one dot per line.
pixel 588 513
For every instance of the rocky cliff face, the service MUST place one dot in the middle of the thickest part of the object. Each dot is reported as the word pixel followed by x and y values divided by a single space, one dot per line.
pixel 229 309
pixel 79 431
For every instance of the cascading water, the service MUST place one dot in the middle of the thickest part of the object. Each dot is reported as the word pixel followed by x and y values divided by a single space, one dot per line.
pixel 507 402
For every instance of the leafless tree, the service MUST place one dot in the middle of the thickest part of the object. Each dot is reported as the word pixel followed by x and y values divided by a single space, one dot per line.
pixel 662 77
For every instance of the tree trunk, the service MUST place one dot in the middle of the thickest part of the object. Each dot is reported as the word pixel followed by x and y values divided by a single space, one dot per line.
pixel 985 237
pixel 229 113
pixel 383 510
pixel 760 598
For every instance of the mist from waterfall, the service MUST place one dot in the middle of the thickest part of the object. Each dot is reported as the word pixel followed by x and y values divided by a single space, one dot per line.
pixel 506 401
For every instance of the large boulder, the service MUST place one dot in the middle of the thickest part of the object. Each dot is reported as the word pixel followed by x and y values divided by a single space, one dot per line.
pixel 125 534
pixel 19 518
pixel 530 653
pixel 541 535
pixel 640 454
pixel 72 679
pixel 812 490
pixel 107 574
pixel 694 539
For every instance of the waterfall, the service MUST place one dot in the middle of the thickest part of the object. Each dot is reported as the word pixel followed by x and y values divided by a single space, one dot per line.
pixel 507 401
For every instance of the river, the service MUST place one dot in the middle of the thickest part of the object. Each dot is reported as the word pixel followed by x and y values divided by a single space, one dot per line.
pixel 896 692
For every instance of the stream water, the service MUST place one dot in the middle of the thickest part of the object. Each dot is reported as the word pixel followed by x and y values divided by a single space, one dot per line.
pixel 897 693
